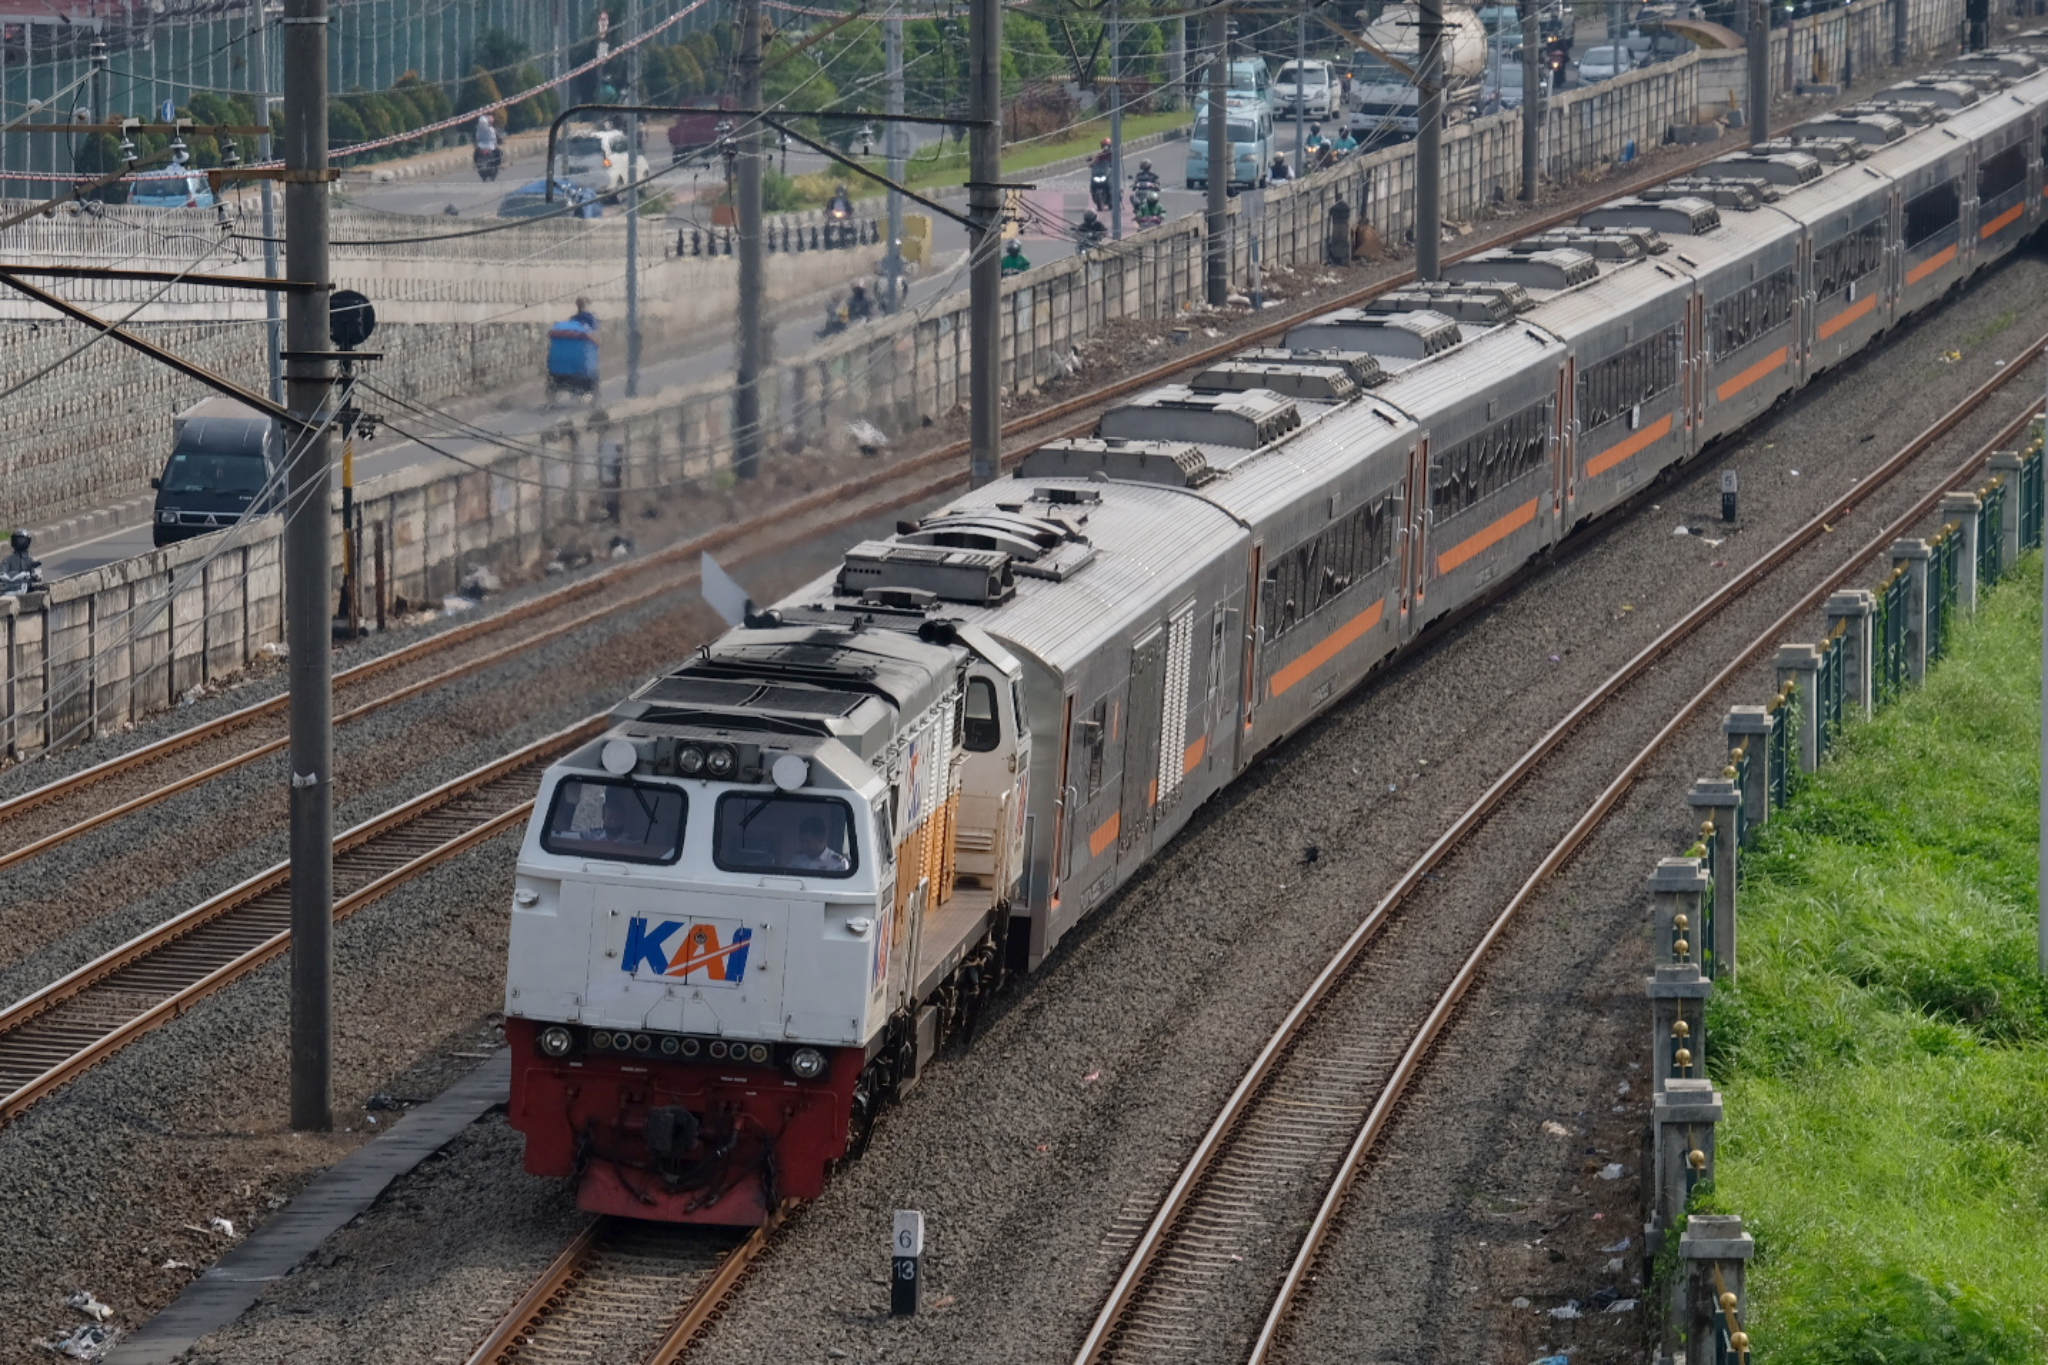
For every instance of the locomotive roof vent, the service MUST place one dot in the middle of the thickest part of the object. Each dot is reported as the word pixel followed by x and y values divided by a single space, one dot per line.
pixel 1727 192
pixel 1400 336
pixel 2010 62
pixel 1870 127
pixel 1363 367
pixel 1481 303
pixel 1941 92
pixel 1617 243
pixel 1552 268
pixel 1777 167
pixel 1314 383
pixel 977 577
pixel 1830 151
pixel 1681 216
pixel 1025 539
pixel 1175 412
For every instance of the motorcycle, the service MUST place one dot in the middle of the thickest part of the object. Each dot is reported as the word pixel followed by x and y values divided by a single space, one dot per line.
pixel 1091 234
pixel 572 361
pixel 488 162
pixel 16 582
pixel 835 322
pixel 1098 187
pixel 839 225
pixel 1146 212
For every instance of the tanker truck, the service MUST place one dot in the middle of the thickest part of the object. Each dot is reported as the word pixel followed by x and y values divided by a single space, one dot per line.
pixel 1384 104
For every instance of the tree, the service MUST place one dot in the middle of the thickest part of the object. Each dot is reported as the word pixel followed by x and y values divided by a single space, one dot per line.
pixel 498 52
pixel 344 127
pixel 479 91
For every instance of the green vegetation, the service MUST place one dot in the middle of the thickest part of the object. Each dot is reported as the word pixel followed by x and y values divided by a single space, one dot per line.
pixel 1885 1053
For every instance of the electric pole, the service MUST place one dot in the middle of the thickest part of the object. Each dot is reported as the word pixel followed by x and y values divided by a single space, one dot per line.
pixel 1759 42
pixel 1429 159
pixel 273 321
pixel 1116 125
pixel 306 568
pixel 746 413
pixel 633 203
pixel 892 141
pixel 1218 226
pixel 1533 90
pixel 985 273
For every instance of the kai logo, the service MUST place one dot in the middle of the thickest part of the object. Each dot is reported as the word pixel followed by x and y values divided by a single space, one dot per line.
pixel 699 952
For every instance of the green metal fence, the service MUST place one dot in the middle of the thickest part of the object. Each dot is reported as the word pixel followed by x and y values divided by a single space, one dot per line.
pixel 1778 749
pixel 2030 499
pixel 1943 569
pixel 1889 646
pixel 1991 534
pixel 1830 688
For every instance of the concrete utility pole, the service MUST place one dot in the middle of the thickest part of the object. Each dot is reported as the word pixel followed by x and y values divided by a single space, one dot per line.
pixel 633 204
pixel 273 322
pixel 985 274
pixel 892 139
pixel 307 571
pixel 1218 227
pixel 1429 152
pixel 1533 91
pixel 1899 18
pixel 753 282
pixel 1177 62
pixel 1759 44
pixel 1116 125
pixel 1300 104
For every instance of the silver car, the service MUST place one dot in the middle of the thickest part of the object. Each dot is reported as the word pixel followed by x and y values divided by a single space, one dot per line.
pixel 1605 62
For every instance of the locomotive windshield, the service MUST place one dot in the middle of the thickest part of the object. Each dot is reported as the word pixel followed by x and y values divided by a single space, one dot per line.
pixel 774 831
pixel 623 821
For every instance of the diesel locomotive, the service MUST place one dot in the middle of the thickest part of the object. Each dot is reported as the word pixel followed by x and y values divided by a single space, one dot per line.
pixel 750 913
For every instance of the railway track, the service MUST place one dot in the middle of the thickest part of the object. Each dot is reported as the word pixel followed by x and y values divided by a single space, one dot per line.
pixel 51 1037
pixel 47 816
pixel 1323 1091
pixel 614 1280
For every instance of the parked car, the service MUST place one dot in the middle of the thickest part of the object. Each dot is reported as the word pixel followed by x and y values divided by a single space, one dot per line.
pixel 1605 62
pixel 1311 85
pixel 171 192
pixel 530 200
pixel 224 465
pixel 596 158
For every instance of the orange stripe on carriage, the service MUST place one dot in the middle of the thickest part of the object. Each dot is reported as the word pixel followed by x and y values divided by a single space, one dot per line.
pixel 1486 539
pixel 1328 649
pixel 1634 445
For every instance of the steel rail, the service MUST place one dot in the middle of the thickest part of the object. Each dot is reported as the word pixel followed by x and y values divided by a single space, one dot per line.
pixel 811 502
pixel 1123 1293
pixel 562 1292
pixel 50 1037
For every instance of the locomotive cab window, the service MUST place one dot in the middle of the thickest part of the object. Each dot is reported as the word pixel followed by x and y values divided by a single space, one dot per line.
pixel 1932 212
pixel 984 730
pixel 779 832
pixel 624 822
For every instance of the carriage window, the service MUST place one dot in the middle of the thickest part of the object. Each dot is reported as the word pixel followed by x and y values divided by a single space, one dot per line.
pixel 1320 569
pixel 1614 386
pixel 1931 212
pixel 1847 259
pixel 1463 474
pixel 984 731
pixel 623 822
pixel 776 831
pixel 1097 740
pixel 1742 317
pixel 2002 172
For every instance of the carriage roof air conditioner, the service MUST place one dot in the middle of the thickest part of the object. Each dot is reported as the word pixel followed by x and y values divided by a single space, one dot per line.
pixel 1175 412
pixel 1912 113
pixel 1871 127
pixel 1363 366
pixel 1684 216
pixel 1616 243
pixel 1313 383
pixel 1398 336
pixel 1726 192
pixel 1785 167
pixel 1556 268
pixel 977 577
pixel 1488 303
pixel 1942 94
pixel 1173 463
pixel 2008 62
pixel 1832 151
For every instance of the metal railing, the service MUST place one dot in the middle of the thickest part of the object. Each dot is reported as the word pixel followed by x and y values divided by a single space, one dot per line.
pixel 1942 568
pixel 1990 534
pixel 1890 645
pixel 1830 688
pixel 1778 748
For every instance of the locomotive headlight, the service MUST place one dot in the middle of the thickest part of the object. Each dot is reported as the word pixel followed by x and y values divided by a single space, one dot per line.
pixel 758 1053
pixel 720 761
pixel 555 1041
pixel 600 1040
pixel 690 760
pixel 807 1063
pixel 717 1050
pixel 670 1046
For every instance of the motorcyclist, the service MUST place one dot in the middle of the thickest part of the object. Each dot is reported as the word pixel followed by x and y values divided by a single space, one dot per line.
pixel 1092 229
pixel 583 316
pixel 835 319
pixel 1280 172
pixel 859 307
pixel 18 571
pixel 841 204
pixel 486 139
pixel 1314 141
pixel 1014 261
pixel 1100 191
pixel 1344 143
pixel 1145 184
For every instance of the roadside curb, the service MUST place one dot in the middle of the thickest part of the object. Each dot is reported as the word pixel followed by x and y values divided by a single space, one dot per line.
pixel 1056 168
pixel 86 525
pixel 442 160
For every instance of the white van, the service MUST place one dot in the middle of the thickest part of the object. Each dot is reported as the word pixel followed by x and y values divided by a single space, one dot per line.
pixel 1311 85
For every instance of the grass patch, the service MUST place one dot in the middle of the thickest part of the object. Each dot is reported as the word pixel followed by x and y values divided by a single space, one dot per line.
pixel 1885 1055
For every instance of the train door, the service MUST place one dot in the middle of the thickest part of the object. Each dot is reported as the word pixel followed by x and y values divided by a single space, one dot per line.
pixel 1415 574
pixel 1696 351
pixel 1063 803
pixel 992 779
pixel 1248 680
pixel 1802 307
pixel 1142 744
pixel 1565 488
